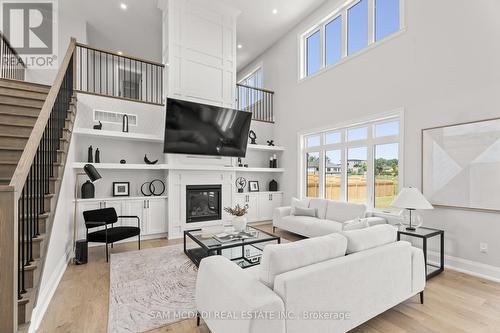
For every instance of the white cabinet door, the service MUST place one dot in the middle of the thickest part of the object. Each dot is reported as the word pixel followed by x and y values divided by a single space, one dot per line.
pixel 277 199
pixel 81 231
pixel 252 200
pixel 266 206
pixel 156 216
pixel 133 208
pixel 253 207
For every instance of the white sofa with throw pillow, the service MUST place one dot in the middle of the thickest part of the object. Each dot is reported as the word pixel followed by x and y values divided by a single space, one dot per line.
pixel 319 217
pixel 329 284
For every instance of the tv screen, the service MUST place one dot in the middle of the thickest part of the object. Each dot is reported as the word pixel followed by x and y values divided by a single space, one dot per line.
pixel 199 129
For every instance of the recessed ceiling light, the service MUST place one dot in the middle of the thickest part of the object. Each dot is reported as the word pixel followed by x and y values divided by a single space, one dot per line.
pixel 119 52
pixel 123 6
pixel 275 11
pixel 240 46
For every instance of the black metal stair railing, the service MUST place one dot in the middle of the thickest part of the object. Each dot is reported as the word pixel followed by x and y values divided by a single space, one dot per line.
pixel 260 102
pixel 11 65
pixel 32 202
pixel 106 73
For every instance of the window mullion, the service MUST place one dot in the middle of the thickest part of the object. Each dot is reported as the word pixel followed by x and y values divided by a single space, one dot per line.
pixel 344 33
pixel 371 21
pixel 370 172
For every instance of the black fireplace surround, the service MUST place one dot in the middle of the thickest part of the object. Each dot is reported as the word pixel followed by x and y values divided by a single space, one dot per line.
pixel 203 203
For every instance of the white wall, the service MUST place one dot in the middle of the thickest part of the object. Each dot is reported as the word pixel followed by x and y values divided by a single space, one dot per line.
pixel 199 44
pixel 70 24
pixel 443 69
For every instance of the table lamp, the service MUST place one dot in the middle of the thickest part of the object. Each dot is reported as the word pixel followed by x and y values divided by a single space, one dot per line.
pixel 410 198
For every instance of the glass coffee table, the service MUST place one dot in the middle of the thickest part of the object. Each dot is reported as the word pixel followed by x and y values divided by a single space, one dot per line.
pixel 245 249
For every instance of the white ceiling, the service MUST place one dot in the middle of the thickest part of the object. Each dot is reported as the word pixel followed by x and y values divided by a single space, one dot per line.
pixel 258 28
pixel 137 30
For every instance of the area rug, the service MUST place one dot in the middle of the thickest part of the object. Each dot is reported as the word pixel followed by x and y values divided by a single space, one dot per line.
pixel 150 288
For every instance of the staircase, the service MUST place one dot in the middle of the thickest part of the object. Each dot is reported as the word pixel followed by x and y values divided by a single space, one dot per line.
pixel 20 105
pixel 36 122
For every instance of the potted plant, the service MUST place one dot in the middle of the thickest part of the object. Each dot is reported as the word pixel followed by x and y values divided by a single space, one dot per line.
pixel 239 218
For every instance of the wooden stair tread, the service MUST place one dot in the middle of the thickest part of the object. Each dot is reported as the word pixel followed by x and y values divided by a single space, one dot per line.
pixel 14 125
pixel 8 83
pixel 22 136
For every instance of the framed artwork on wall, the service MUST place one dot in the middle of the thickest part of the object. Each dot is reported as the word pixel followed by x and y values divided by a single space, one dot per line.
pixel 121 189
pixel 253 186
pixel 461 165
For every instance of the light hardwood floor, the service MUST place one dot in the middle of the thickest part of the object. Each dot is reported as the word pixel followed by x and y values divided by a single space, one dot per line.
pixel 454 302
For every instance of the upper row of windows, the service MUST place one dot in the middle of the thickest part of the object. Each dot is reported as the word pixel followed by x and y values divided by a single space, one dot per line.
pixel 349 32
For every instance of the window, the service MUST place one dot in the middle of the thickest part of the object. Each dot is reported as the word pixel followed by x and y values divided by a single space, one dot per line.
pixel 357 168
pixel 363 168
pixel 332 138
pixel 386 174
pixel 312 180
pixel 352 27
pixel 355 134
pixel 357 27
pixel 250 97
pixel 254 79
pixel 333 174
pixel 386 18
pixel 313 53
pixel 333 41
pixel 313 141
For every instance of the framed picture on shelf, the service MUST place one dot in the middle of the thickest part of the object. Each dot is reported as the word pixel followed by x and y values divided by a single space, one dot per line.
pixel 253 186
pixel 121 189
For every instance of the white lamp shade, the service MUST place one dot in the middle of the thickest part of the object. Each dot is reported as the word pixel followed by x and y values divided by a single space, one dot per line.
pixel 411 198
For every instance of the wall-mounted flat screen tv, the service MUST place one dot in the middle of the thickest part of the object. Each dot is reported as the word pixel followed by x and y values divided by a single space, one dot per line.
pixel 199 129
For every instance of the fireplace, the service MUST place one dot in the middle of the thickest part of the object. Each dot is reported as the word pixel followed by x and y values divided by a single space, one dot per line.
pixel 203 203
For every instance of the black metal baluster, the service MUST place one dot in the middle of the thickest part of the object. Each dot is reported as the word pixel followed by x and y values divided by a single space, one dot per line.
pixel 23 239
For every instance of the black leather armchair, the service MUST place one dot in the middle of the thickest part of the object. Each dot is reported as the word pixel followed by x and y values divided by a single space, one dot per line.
pixel 109 235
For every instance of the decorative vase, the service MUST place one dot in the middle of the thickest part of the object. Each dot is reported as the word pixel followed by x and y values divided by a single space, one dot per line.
pixel 240 223
pixel 88 190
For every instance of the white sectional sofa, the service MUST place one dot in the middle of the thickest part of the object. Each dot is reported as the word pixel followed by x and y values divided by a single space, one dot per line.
pixel 328 284
pixel 331 216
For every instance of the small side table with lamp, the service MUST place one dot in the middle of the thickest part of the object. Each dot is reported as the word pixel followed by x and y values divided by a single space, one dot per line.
pixel 411 198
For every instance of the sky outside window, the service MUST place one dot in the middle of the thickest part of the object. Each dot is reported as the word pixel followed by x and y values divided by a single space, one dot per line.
pixel 333 40
pixel 357 27
pixel 313 53
pixel 386 18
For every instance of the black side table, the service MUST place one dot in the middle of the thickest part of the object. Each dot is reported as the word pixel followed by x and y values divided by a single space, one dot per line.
pixel 431 270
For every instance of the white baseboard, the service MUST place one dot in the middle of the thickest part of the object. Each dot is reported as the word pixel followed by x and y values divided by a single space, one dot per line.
pixel 469 267
pixel 45 295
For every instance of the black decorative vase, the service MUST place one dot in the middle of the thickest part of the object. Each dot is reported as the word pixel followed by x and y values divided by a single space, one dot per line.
pixel 273 186
pixel 97 156
pixel 90 155
pixel 88 190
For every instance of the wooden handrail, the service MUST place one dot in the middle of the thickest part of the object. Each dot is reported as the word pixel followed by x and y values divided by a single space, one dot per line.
pixel 23 167
pixel 120 55
pixel 12 49
pixel 254 88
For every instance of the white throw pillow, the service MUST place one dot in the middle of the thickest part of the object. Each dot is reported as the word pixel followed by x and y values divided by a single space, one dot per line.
pixel 280 258
pixel 355 224
pixel 368 238
pixel 320 205
pixel 311 212
pixel 304 203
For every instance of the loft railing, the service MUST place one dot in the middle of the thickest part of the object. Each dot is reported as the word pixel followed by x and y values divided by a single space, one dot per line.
pixel 260 102
pixel 105 73
pixel 24 199
pixel 11 65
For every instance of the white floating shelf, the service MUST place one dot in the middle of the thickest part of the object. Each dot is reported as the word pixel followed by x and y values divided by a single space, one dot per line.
pixel 118 135
pixel 265 148
pixel 121 198
pixel 276 170
pixel 118 166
